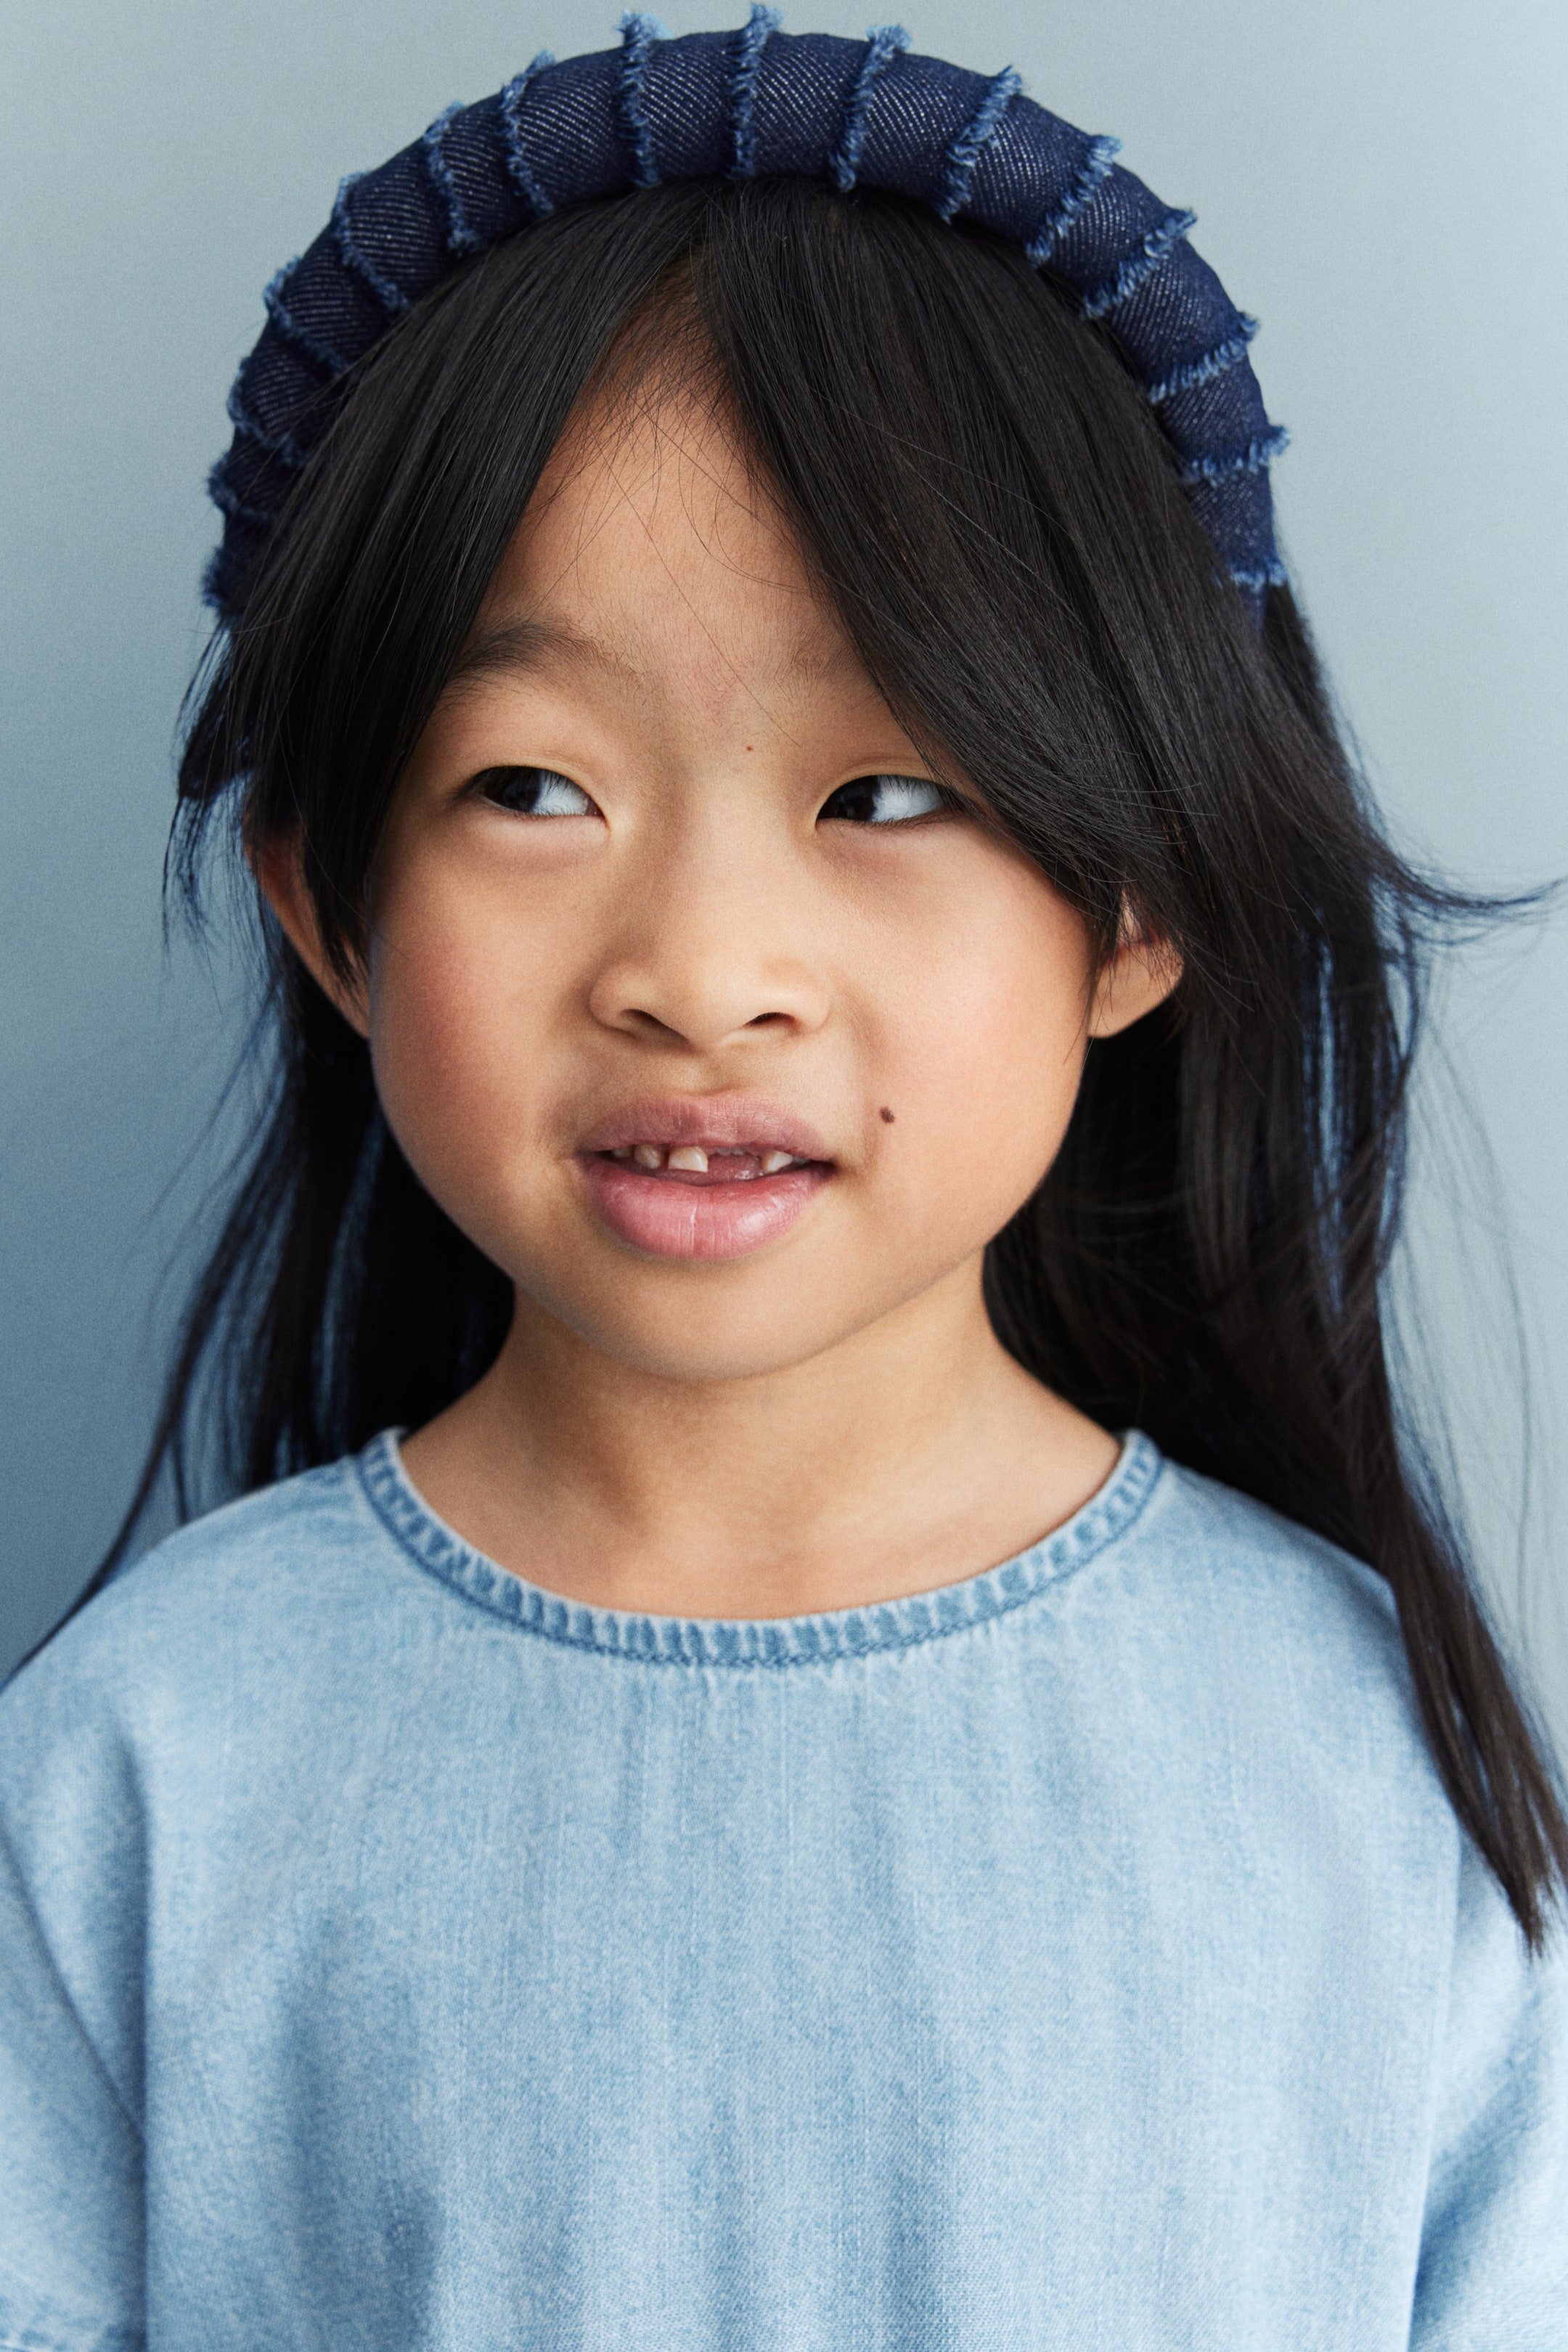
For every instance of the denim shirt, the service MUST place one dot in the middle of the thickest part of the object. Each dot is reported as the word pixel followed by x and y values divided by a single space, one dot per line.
pixel 1085 1955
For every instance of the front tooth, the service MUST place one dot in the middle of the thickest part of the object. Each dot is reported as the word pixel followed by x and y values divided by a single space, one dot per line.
pixel 774 1161
pixel 692 1157
pixel 649 1155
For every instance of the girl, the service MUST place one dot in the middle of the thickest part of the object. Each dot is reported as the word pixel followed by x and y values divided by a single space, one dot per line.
pixel 833 1713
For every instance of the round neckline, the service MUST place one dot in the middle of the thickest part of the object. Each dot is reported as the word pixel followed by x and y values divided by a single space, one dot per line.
pixel 751 1643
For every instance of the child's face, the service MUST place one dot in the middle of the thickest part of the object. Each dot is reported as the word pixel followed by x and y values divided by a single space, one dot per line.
pixel 685 935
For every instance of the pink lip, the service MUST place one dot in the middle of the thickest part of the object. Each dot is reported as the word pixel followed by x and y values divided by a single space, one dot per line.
pixel 702 1219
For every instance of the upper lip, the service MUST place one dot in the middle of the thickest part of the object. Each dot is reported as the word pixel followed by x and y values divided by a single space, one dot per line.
pixel 716 1122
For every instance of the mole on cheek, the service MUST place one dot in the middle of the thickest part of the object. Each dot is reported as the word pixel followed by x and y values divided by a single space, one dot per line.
pixel 886 1115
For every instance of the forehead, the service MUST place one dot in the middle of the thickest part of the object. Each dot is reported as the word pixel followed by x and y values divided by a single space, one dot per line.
pixel 653 541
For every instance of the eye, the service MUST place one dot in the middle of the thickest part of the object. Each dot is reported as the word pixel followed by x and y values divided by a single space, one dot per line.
pixel 883 800
pixel 533 791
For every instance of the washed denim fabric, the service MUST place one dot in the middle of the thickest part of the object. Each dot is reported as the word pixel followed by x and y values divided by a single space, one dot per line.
pixel 1084 1956
pixel 752 103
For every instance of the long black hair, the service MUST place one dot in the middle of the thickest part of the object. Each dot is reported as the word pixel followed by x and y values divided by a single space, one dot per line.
pixel 979 486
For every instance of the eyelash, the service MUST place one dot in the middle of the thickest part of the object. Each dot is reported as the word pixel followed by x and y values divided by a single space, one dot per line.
pixel 549 784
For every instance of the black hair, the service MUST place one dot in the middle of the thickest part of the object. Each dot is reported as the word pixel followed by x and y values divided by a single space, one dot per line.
pixel 980 486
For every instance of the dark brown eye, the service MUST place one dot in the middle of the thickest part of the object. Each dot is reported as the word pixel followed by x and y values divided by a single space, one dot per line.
pixel 883 800
pixel 533 791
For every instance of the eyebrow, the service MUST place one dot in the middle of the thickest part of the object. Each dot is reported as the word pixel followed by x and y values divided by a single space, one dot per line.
pixel 522 647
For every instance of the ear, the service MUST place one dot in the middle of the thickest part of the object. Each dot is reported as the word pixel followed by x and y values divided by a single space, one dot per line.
pixel 1140 976
pixel 279 871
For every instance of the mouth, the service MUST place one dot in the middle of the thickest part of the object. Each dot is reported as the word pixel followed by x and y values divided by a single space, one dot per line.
pixel 706 1165
pixel 708 1178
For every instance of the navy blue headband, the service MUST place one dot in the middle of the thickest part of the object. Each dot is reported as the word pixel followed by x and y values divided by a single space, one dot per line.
pixel 739 105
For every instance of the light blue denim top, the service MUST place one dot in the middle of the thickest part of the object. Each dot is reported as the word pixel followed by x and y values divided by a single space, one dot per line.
pixel 1083 1955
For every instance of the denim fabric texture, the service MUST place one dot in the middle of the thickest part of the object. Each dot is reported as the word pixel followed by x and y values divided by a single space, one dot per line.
pixel 396 1956
pixel 738 105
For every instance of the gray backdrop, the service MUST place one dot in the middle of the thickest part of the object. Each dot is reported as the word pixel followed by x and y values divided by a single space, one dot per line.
pixel 1385 184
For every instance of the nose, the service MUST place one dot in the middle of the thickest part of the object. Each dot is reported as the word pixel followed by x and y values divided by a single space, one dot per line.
pixel 707 951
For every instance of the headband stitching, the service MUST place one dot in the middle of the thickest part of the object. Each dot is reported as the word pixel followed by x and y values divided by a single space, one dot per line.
pixel 231 503
pixel 1259 576
pixel 1193 372
pixel 883 43
pixel 1235 462
pixel 639 34
pixel 1139 266
pixel 460 237
pixel 749 42
pixel 286 324
pixel 1102 153
pixel 966 150
pixel 390 296
pixel 516 163
pixel 282 445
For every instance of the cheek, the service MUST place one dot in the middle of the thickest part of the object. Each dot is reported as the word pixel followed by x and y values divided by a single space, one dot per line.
pixel 455 1032
pixel 986 1038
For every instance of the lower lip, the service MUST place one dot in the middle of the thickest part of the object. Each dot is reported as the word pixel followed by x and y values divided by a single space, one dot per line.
pixel 667 1218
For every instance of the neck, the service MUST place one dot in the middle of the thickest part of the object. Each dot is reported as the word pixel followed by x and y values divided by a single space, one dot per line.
pixel 912 1453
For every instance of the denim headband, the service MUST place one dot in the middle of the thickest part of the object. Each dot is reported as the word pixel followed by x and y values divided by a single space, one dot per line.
pixel 740 105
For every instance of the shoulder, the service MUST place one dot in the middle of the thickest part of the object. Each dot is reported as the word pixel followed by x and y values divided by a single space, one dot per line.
pixel 268 1574
pixel 1266 1644
pixel 1218 1548
pixel 198 1703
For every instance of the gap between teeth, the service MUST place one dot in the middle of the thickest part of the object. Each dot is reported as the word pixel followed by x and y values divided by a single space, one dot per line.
pixel 690 1158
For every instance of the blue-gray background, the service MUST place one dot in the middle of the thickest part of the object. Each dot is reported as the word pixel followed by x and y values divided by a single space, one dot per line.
pixel 1386 186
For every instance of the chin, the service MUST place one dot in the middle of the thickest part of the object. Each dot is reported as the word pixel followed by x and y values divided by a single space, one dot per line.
pixel 708 1339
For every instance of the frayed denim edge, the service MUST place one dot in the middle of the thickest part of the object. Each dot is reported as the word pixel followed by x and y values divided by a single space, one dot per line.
pixel 230 503
pixel 1102 153
pixel 288 325
pixel 390 296
pixel 749 42
pixel 1255 576
pixel 518 169
pixel 1226 465
pixel 970 142
pixel 282 445
pixel 639 34
pixel 1194 373
pixel 1139 266
pixel 883 43
pixel 460 237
